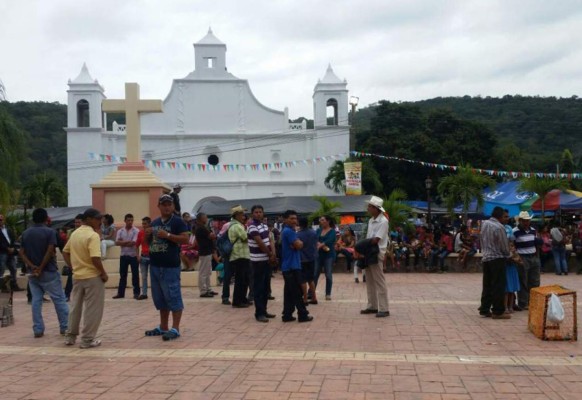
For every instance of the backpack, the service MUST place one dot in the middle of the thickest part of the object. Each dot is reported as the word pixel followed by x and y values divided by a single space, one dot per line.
pixel 224 245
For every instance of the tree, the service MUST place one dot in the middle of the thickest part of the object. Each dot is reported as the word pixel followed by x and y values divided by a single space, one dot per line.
pixel 397 210
pixel 463 187
pixel 11 152
pixel 336 177
pixel 44 190
pixel 542 186
pixel 326 207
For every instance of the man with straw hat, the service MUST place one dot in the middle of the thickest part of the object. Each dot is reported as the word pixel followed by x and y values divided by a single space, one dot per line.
pixel 375 281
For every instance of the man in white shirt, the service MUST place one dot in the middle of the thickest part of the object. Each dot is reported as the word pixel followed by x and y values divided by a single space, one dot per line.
pixel 127 239
pixel 375 280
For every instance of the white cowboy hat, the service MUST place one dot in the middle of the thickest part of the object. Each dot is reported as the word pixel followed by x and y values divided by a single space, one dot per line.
pixel 376 202
pixel 524 215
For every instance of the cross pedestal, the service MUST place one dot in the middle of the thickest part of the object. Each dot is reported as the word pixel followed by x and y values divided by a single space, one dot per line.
pixel 132 188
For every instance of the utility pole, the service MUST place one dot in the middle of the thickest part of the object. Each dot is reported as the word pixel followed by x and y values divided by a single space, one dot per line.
pixel 354 103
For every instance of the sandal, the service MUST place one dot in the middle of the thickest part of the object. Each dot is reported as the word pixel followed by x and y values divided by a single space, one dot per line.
pixel 155 332
pixel 171 335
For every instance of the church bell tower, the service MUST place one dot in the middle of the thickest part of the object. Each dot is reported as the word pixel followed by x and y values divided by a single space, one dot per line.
pixel 330 101
pixel 84 101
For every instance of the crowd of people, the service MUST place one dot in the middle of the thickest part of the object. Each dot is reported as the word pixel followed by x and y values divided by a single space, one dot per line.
pixel 247 250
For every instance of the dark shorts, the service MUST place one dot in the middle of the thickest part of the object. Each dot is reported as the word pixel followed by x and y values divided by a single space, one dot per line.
pixel 166 289
pixel 308 269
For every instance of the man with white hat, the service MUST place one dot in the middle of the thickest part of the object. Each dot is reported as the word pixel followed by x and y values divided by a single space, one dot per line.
pixel 529 271
pixel 375 280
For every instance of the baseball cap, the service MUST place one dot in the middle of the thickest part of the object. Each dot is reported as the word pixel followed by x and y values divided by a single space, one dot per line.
pixel 164 198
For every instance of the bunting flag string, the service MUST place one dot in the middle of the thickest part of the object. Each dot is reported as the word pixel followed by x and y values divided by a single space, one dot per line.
pixel 342 156
pixel 205 167
pixel 490 172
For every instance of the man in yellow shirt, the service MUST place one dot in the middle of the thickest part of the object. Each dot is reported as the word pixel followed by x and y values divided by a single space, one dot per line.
pixel 83 253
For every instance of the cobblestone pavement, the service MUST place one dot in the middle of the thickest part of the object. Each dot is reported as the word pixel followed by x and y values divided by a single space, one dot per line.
pixel 433 346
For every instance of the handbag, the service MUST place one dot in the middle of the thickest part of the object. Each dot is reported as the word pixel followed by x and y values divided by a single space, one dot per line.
pixel 67 271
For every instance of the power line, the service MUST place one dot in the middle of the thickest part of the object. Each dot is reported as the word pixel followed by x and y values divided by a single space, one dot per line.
pixel 334 133
pixel 176 153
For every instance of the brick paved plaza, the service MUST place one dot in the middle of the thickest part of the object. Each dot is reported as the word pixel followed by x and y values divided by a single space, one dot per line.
pixel 433 346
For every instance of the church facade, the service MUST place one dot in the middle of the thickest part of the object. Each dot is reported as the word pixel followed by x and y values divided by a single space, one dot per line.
pixel 211 117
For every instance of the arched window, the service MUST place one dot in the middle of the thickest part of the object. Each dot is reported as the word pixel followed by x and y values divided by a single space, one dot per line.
pixel 83 114
pixel 332 112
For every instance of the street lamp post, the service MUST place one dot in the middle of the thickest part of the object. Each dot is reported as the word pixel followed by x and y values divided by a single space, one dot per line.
pixel 354 103
pixel 428 186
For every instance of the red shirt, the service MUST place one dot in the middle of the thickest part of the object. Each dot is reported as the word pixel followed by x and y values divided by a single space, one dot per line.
pixel 145 246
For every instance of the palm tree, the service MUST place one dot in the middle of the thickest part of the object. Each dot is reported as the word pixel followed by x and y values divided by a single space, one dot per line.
pixel 44 190
pixel 336 177
pixel 397 210
pixel 542 186
pixel 11 152
pixel 463 187
pixel 326 207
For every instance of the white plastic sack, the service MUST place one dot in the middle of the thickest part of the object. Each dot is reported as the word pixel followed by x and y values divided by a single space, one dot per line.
pixel 555 310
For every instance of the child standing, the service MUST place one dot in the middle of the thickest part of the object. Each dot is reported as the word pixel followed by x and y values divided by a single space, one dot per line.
pixel 512 278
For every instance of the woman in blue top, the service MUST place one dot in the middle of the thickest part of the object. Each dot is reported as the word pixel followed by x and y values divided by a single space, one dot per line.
pixel 326 252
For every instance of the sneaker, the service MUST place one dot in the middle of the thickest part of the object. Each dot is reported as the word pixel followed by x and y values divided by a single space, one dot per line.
pixel 70 340
pixel 206 295
pixel 91 344
pixel 328 298
pixel 63 332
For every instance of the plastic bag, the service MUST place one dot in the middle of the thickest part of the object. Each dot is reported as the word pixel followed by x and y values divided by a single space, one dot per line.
pixel 555 313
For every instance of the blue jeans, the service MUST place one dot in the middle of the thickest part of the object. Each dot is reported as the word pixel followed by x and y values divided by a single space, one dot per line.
pixel 48 282
pixel 327 267
pixel 144 266
pixel 442 255
pixel 560 260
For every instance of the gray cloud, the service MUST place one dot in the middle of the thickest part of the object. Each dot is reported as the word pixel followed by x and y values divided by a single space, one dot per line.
pixel 395 50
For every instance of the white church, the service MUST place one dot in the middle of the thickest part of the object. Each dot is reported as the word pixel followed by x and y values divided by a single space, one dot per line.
pixel 211 117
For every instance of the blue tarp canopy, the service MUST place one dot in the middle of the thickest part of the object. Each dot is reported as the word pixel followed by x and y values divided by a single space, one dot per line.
pixel 507 196
pixel 473 208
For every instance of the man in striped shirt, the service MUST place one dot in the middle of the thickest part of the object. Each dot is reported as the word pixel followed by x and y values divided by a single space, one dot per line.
pixel 529 271
pixel 261 255
pixel 495 247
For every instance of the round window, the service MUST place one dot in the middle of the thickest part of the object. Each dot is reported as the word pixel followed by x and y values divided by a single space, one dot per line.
pixel 213 159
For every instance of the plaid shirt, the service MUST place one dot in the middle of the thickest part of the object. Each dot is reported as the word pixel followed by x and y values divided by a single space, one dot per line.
pixel 494 242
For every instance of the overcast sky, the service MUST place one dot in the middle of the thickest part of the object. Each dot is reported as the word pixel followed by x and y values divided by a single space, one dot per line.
pixel 394 50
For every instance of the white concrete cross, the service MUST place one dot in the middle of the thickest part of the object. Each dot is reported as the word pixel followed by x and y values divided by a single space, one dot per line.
pixel 132 106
